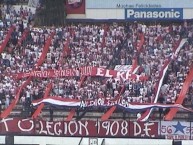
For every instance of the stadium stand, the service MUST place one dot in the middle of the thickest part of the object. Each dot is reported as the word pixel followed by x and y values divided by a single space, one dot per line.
pixel 149 48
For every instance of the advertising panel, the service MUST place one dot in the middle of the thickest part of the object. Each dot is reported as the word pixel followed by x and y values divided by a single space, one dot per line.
pixel 176 130
pixel 154 13
pixel 122 4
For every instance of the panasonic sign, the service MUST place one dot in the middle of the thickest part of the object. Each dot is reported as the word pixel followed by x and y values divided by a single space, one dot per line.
pixel 154 13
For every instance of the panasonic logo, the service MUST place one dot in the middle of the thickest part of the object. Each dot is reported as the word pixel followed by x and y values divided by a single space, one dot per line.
pixel 154 13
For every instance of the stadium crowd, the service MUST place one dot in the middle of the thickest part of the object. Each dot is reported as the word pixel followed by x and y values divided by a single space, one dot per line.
pixel 101 45
pixel 11 59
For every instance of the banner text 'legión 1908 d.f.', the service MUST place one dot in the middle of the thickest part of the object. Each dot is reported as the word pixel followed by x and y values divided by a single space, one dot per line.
pixel 113 128
pixel 177 130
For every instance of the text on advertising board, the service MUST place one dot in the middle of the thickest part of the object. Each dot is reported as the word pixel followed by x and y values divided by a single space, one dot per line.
pixel 121 4
pixel 154 13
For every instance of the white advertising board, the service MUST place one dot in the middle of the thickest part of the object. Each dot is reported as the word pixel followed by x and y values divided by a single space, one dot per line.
pixel 112 4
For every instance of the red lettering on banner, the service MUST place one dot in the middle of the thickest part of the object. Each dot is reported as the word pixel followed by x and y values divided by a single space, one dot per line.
pixel 166 129
pixel 188 130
